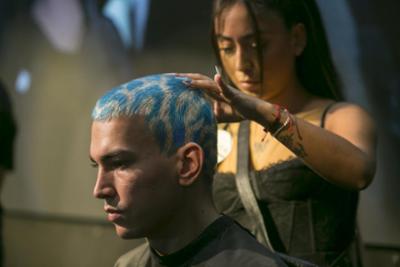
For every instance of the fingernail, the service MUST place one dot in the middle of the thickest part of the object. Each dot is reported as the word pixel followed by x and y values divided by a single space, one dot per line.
pixel 217 69
pixel 188 83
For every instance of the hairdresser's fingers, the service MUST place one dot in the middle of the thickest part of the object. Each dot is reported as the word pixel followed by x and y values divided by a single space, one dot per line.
pixel 245 106
pixel 200 81
pixel 225 113
pixel 206 84
pixel 229 92
pixel 193 76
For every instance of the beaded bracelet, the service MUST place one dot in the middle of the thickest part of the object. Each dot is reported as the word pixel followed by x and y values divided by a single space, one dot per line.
pixel 276 126
pixel 283 126
pixel 277 121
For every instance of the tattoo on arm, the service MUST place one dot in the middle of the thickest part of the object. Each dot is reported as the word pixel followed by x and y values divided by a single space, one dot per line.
pixel 288 138
pixel 297 148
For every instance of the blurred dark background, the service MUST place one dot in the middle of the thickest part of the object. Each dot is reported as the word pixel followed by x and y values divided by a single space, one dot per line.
pixel 58 56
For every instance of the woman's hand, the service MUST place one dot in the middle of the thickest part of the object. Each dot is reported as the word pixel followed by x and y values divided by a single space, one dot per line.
pixel 249 107
pixel 219 93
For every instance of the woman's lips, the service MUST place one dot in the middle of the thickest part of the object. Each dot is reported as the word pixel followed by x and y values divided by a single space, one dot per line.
pixel 249 85
pixel 249 82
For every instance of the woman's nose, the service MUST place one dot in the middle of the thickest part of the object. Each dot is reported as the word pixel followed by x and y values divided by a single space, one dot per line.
pixel 243 60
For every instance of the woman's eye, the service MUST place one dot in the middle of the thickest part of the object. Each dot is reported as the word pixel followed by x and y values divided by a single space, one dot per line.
pixel 227 50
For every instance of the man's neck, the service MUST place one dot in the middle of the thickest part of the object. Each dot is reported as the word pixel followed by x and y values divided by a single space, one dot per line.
pixel 185 228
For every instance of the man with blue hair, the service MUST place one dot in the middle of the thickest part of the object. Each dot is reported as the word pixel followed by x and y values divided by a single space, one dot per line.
pixel 153 141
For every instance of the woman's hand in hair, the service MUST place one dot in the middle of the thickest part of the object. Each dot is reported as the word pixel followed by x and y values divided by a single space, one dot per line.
pixel 246 106
pixel 222 108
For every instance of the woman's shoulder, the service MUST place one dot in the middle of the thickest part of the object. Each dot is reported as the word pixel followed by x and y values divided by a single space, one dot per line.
pixel 346 114
pixel 317 103
pixel 314 110
pixel 334 114
pixel 332 105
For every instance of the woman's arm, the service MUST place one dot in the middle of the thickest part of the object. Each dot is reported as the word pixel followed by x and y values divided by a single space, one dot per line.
pixel 343 152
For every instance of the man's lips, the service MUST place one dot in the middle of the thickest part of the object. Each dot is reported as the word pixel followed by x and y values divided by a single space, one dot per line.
pixel 113 214
pixel 114 217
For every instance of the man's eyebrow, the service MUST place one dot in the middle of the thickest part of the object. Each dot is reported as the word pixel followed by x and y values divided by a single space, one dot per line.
pixel 114 154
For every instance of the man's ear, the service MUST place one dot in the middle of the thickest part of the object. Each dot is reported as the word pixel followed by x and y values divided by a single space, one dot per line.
pixel 299 38
pixel 191 159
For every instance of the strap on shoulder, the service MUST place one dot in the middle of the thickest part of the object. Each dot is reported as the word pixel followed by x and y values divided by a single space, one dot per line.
pixel 244 187
pixel 327 108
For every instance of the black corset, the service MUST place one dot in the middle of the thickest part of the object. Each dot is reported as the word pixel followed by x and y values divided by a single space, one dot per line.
pixel 305 215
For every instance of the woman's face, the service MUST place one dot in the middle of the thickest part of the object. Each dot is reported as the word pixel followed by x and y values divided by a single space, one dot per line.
pixel 237 45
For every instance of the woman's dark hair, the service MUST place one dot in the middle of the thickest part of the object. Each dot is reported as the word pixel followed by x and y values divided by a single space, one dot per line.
pixel 314 66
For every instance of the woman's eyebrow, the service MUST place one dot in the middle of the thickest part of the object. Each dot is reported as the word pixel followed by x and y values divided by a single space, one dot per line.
pixel 221 37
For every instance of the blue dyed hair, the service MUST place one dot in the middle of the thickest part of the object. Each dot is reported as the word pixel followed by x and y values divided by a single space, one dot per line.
pixel 174 113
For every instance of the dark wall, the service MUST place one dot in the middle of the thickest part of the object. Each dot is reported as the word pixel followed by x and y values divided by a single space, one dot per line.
pixel 379 36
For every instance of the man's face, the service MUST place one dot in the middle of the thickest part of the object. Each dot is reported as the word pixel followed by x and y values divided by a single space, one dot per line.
pixel 139 185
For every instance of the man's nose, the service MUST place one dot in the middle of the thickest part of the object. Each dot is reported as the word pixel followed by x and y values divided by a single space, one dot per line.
pixel 104 185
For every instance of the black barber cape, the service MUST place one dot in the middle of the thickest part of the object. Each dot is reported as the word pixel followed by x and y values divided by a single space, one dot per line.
pixel 222 243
